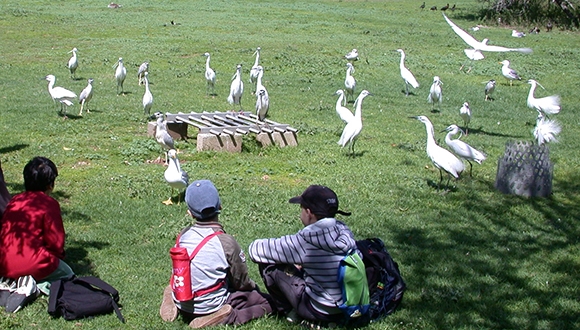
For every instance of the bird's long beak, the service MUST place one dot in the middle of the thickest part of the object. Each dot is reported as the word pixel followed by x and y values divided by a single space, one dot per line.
pixel 414 117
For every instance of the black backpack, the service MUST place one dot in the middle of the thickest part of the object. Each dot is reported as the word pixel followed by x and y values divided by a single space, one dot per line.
pixel 386 286
pixel 80 297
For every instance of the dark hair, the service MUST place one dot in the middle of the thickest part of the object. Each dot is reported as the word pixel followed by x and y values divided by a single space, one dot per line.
pixel 39 174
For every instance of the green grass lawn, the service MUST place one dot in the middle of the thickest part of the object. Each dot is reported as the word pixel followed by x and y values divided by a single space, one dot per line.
pixel 472 258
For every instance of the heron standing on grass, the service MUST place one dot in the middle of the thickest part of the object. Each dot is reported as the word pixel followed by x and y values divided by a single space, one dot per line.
pixel 465 113
pixel 143 68
pixel 175 176
pixel 343 112
pixel 442 158
pixel 489 89
pixel 354 126
pixel 254 70
pixel 209 76
pixel 162 136
pixel 546 129
pixel 86 96
pixel 548 105
pixel 62 95
pixel 406 74
pixel 462 149
pixel 147 96
pixel 73 63
pixel 236 88
pixel 435 92
pixel 349 81
pixel 120 74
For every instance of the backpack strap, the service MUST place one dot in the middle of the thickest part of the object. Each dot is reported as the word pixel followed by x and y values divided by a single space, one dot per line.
pixel 106 287
pixel 202 243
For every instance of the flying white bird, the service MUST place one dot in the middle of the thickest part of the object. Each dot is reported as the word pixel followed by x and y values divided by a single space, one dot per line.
pixel 254 70
pixel 517 34
pixel 175 176
pixel 161 135
pixel 262 97
pixel 147 96
pixel 465 113
pixel 509 73
pixel 349 81
pixel 406 74
pixel 548 105
pixel 86 96
pixel 546 129
pixel 435 92
pixel 62 95
pixel 442 158
pixel 209 76
pixel 237 87
pixel 489 89
pixel 344 113
pixel 352 55
pixel 354 126
pixel 463 149
pixel 475 52
pixel 144 67
pixel 120 74
pixel 73 63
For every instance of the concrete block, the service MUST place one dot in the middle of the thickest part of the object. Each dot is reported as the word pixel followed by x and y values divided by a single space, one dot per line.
pixel 290 138
pixel 282 140
pixel 222 142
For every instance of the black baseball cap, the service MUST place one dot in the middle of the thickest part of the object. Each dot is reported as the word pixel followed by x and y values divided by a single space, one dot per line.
pixel 320 200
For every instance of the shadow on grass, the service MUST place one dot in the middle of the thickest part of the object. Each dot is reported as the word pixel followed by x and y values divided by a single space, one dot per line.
pixel 77 256
pixel 12 148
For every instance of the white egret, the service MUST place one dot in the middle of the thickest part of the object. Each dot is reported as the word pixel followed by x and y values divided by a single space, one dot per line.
pixel 344 113
pixel 143 68
pixel 175 176
pixel 442 158
pixel 349 81
pixel 509 73
pixel 354 126
pixel 147 96
pixel 406 74
pixel 86 96
pixel 548 105
pixel 262 97
pixel 475 52
pixel 209 76
pixel 254 70
pixel 236 88
pixel 435 92
pixel 352 55
pixel 517 34
pixel 73 63
pixel 161 135
pixel 462 149
pixel 489 89
pixel 546 129
pixel 120 74
pixel 465 113
pixel 62 95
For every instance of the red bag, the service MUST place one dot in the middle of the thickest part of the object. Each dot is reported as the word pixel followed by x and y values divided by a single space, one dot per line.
pixel 181 277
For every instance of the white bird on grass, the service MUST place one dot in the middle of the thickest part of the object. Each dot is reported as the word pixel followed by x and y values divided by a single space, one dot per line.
pixel 162 136
pixel 349 81
pixel 442 158
pixel 465 113
pixel 463 149
pixel 343 112
pixel 62 95
pixel 489 89
pixel 147 96
pixel 254 70
pixel 546 129
pixel 236 88
pixel 475 52
pixel 517 34
pixel 406 74
pixel 143 68
pixel 354 126
pixel 73 63
pixel 175 176
pixel 435 92
pixel 209 76
pixel 86 96
pixel 120 74
pixel 352 55
pixel 509 73
pixel 548 105
pixel 262 97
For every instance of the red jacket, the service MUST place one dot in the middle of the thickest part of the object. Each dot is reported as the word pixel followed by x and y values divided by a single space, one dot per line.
pixel 31 236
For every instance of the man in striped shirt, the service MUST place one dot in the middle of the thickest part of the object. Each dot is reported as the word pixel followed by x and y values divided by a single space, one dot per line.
pixel 300 270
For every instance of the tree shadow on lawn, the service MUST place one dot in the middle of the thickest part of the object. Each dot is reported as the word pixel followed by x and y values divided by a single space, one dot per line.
pixel 77 256
pixel 470 268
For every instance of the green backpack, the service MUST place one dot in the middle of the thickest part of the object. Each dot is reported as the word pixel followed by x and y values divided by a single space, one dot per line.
pixel 353 282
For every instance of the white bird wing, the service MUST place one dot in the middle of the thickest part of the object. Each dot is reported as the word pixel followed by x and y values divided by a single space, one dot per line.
pixel 64 93
pixel 549 104
pixel 466 151
pixel 546 131
pixel 344 113
pixel 490 48
pixel 471 41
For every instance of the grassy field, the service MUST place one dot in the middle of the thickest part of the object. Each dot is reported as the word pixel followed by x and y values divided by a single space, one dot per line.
pixel 472 258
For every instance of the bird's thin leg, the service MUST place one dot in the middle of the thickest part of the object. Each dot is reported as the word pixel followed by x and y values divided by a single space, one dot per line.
pixel 440 179
pixel 406 89
pixel 470 168
pixel 82 104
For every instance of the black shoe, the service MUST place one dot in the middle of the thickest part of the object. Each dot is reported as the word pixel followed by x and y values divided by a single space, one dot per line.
pixel 26 292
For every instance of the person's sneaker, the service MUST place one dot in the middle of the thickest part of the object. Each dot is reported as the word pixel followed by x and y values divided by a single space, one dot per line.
pixel 293 317
pixel 168 309
pixel 25 293
pixel 212 319
pixel 7 286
